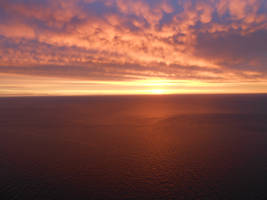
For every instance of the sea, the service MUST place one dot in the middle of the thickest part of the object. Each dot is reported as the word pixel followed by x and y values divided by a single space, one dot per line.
pixel 134 147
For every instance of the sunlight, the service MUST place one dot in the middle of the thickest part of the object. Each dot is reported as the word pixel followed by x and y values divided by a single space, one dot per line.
pixel 157 91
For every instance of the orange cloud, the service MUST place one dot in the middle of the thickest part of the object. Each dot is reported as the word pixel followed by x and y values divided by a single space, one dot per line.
pixel 118 39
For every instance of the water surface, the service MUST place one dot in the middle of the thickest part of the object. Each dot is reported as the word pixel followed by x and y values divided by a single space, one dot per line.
pixel 134 147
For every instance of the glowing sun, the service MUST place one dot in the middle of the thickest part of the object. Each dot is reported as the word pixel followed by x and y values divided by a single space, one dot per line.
pixel 157 91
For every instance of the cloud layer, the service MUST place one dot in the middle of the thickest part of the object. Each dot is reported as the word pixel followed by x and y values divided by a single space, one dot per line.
pixel 208 40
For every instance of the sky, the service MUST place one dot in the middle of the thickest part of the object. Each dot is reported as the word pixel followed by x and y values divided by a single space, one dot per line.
pixel 103 47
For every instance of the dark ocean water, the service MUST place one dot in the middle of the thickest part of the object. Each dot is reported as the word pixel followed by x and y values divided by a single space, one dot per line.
pixel 134 147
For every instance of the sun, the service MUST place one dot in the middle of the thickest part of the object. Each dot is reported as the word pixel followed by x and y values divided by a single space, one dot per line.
pixel 157 91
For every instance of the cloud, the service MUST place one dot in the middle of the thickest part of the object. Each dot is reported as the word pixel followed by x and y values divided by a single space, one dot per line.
pixel 218 40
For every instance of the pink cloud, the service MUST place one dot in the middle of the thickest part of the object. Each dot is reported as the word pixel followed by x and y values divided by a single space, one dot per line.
pixel 160 38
